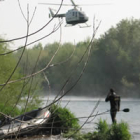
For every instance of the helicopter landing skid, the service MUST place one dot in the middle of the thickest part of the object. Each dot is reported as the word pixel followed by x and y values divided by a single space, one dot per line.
pixel 69 25
pixel 86 26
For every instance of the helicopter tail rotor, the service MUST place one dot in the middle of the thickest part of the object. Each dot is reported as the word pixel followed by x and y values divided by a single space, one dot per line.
pixel 51 14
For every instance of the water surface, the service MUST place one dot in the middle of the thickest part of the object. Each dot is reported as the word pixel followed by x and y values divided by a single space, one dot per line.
pixel 83 107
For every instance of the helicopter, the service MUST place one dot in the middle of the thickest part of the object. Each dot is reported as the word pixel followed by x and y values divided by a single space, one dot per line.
pixel 73 16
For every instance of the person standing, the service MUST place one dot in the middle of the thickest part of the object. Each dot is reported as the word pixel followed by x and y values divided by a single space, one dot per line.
pixel 114 104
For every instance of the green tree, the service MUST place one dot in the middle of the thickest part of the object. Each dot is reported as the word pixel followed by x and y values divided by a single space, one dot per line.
pixel 116 59
pixel 114 62
pixel 11 95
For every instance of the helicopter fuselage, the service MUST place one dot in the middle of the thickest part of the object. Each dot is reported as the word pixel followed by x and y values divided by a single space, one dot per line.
pixel 75 16
pixel 72 16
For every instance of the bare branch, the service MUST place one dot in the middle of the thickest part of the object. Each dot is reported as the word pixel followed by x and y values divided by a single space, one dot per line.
pixel 19 38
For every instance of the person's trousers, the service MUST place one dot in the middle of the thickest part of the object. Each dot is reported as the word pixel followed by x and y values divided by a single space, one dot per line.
pixel 113 116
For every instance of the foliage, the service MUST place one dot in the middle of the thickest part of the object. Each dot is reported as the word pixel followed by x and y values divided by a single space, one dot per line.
pixel 118 131
pixel 102 130
pixel 62 120
pixel 7 64
pixel 117 57
pixel 9 110
pixel 15 94
pixel 114 62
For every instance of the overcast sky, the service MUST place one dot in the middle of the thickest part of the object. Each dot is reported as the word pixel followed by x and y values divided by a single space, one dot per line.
pixel 110 12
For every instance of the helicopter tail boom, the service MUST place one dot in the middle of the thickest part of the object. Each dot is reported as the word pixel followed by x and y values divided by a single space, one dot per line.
pixel 55 15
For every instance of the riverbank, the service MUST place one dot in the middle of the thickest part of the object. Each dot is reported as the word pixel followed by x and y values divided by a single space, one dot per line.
pixel 41 137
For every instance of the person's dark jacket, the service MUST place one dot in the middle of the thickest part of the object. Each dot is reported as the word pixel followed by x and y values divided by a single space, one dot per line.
pixel 114 102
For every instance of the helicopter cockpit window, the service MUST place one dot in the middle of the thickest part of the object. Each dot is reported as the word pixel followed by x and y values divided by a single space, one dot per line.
pixel 74 14
pixel 81 15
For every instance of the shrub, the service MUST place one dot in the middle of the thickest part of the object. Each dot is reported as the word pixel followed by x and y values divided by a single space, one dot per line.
pixel 103 131
pixel 62 120
pixel 119 132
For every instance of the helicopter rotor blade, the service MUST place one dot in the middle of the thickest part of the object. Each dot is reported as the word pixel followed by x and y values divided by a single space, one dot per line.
pixel 75 4
pixel 55 4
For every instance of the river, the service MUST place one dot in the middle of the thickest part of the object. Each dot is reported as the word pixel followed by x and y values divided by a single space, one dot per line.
pixel 84 106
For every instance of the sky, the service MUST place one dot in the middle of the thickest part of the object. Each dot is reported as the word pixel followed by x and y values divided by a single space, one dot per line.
pixel 109 12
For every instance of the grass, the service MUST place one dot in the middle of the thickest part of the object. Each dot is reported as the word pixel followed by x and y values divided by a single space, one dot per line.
pixel 103 131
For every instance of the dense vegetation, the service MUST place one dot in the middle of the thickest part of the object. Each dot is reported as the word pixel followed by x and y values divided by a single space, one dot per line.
pixel 118 131
pixel 114 62
pixel 13 101
pixel 62 120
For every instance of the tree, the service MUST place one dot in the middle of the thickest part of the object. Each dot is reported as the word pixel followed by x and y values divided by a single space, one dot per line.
pixel 116 58
pixel 11 95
